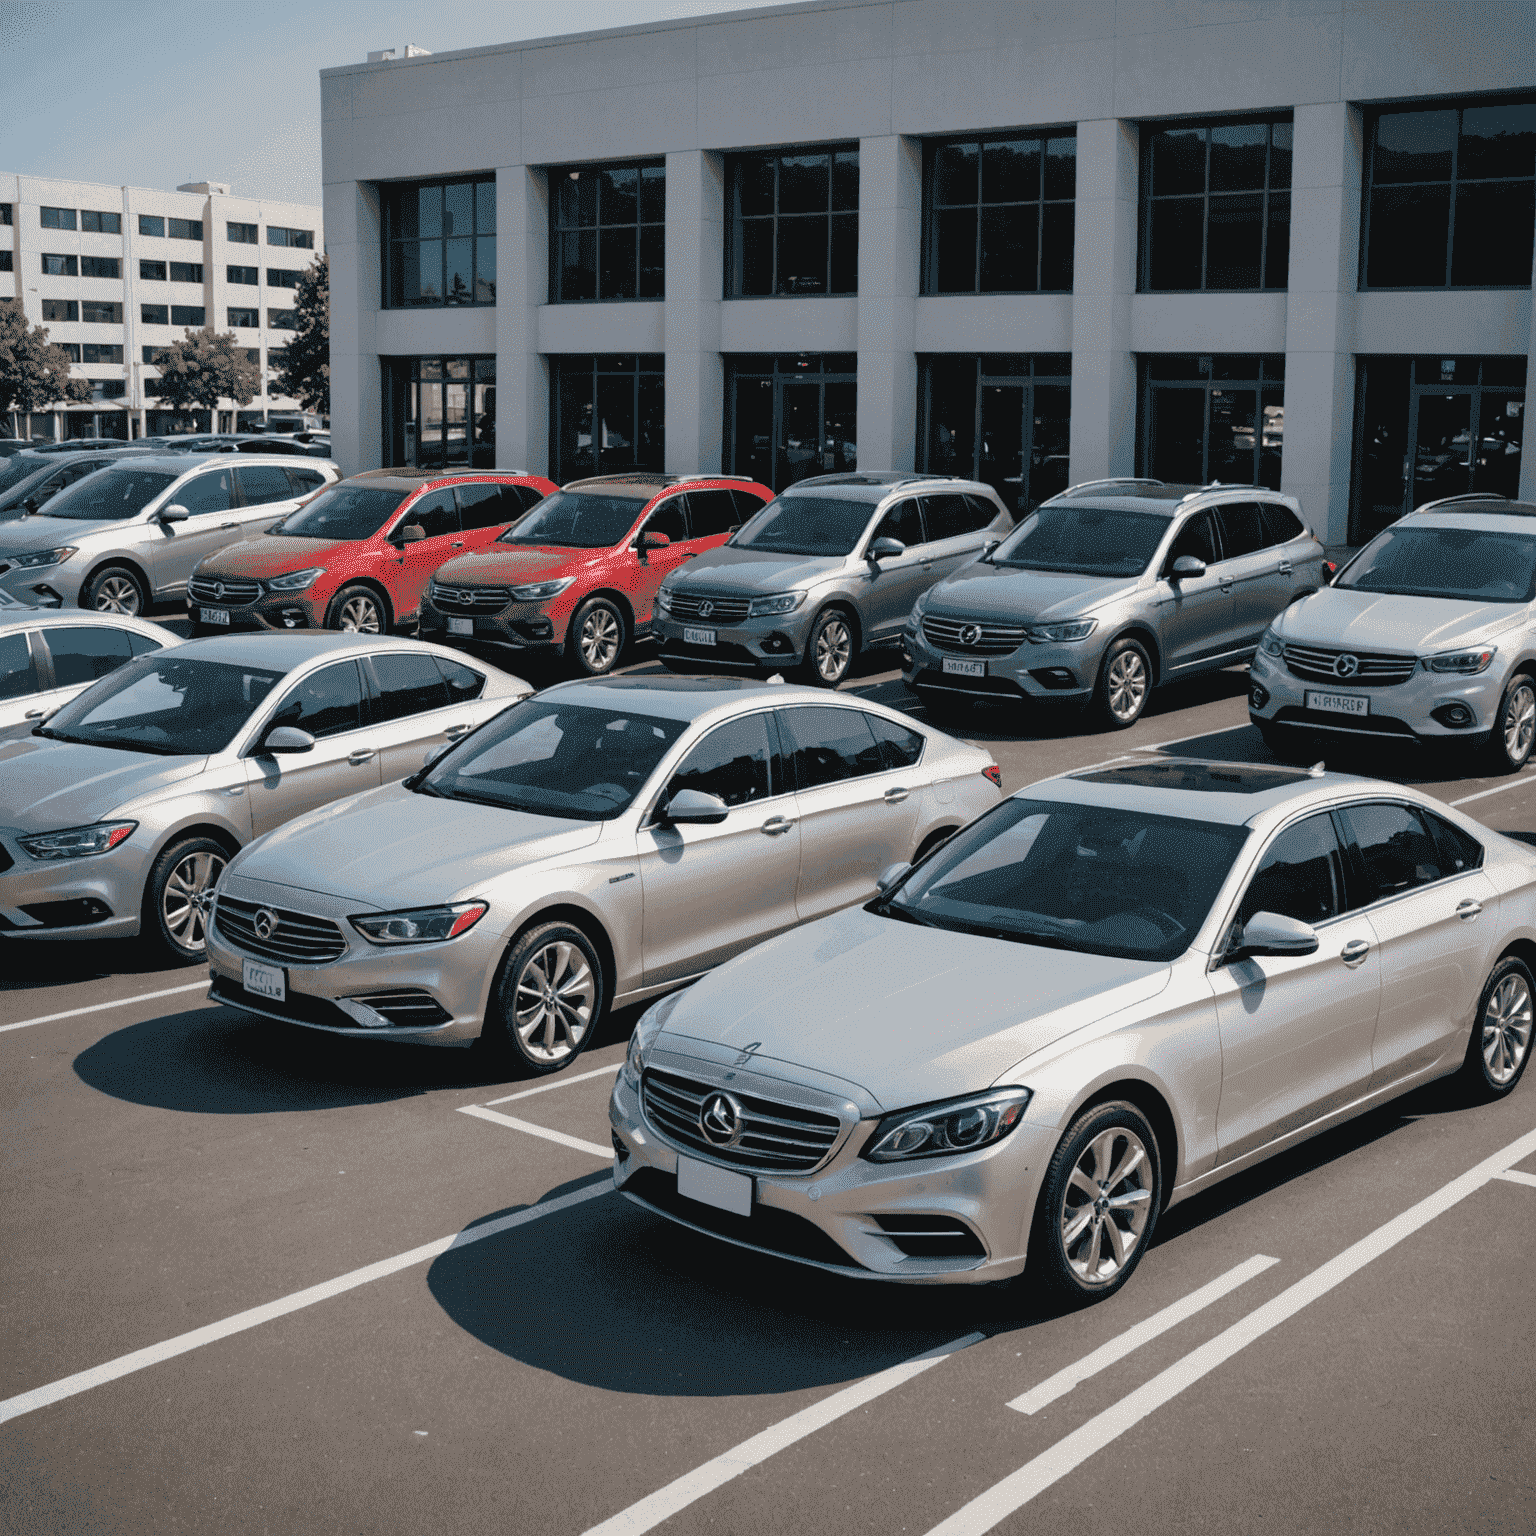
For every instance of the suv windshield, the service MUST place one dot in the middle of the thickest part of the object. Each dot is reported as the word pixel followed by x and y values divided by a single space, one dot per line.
pixel 1078 536
pixel 111 495
pixel 343 512
pixel 806 525
pixel 555 759
pixel 1470 565
pixel 1066 876
pixel 577 519
pixel 170 705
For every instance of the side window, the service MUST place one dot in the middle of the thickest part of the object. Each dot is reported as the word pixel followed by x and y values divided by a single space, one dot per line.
pixel 899 747
pixel 668 519
pixel 1282 524
pixel 1300 875
pixel 464 683
pixel 1459 851
pixel 1242 529
pixel 747 505
pixel 712 513
pixel 18 677
pixel 210 492
pixel 828 745
pixel 141 645
pixel 82 655
pixel 407 685
pixel 488 506
pixel 1198 538
pixel 1397 852
pixel 948 516
pixel 732 762
pixel 262 483
pixel 983 513
pixel 527 496
pixel 326 703
pixel 77 472
pixel 304 480
pixel 903 521
pixel 435 514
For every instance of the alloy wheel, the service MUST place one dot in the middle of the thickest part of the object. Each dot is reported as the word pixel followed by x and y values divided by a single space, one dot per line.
pixel 188 893
pixel 552 1007
pixel 1507 1029
pixel 118 594
pixel 834 650
pixel 1127 685
pixel 1519 722
pixel 360 616
pixel 599 639
pixel 1106 1206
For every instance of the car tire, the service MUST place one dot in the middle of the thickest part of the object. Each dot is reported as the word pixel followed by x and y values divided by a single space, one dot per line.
pixel 1514 727
pixel 1501 1032
pixel 547 1001
pixel 1125 684
pixel 357 610
pixel 116 589
pixel 830 651
pixel 1084 1249
pixel 177 896
pixel 595 640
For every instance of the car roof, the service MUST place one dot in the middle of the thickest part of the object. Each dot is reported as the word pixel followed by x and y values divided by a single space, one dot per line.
pixel 874 485
pixel 685 698
pixel 1454 510
pixel 410 479
pixel 185 463
pixel 293 648
pixel 24 616
pixel 642 485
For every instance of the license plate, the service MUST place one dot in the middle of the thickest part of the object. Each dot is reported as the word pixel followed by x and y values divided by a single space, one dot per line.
pixel 213 615
pixel 264 980
pixel 719 1187
pixel 698 637
pixel 1339 703
pixel 461 626
pixel 957 668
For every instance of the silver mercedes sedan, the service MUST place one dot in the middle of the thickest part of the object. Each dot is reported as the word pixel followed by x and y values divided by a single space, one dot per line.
pixel 1110 992
pixel 119 811
pixel 598 843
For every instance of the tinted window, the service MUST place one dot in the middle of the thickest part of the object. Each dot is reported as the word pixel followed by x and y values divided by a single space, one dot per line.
pixel 827 745
pixel 747 505
pixel 1467 564
pixel 731 762
pixel 342 512
pixel 1283 525
pixel 806 525
pixel 526 495
pixel 83 655
pixel 1074 536
pixel 577 520
pixel 1459 851
pixel 1397 852
pixel 326 703
pixel 488 506
pixel 141 645
pixel 1196 538
pixel 899 747
pixel 110 497
pixel 983 513
pixel 17 677
pixel 211 492
pixel 1242 529
pixel 261 483
pixel 712 513
pixel 903 521
pixel 435 513
pixel 668 519
pixel 464 683
pixel 407 685
pixel 1299 876
pixel 305 480
pixel 948 516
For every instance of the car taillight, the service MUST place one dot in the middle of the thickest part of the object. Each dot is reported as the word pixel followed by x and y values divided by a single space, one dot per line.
pixel 993 772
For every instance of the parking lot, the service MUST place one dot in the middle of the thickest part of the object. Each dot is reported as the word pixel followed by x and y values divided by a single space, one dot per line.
pixel 261 1279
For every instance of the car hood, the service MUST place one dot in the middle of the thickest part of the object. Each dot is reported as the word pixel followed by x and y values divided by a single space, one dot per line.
pixel 22 535
pixel 390 848
pixel 909 1014
pixel 513 565
pixel 751 571
pixel 273 555
pixel 1369 621
pixel 980 591
pixel 48 785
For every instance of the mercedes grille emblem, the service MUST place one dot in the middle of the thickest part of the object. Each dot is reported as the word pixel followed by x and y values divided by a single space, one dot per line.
pixel 265 923
pixel 1346 665
pixel 971 635
pixel 721 1120
pixel 706 608
pixel 218 589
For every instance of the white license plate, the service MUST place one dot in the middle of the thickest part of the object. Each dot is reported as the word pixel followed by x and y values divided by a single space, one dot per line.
pixel 698 637
pixel 213 615
pixel 264 980
pixel 719 1187
pixel 461 627
pixel 1339 703
pixel 964 668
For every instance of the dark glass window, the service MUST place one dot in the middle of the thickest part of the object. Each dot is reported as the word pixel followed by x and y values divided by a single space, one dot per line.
pixel 211 492
pixel 1216 206
pixel 186 271
pixel 1242 529
pixel 304 480
pixel 152 271
pixel 240 234
pixel 440 411
pixel 464 683
pixel 407 685
pixel 7 261
pixel 18 677
pixel 1301 876
pixel 184 229
pixel 5 213
pixel 109 389
pixel 101 223
pixel 1197 539
pixel 899 747
pixel 1449 197
pixel 283 277
pixel 731 762
pixel 441 243
pixel 154 314
pixel 794 223
pixel 151 224
pixel 188 314
pixel 712 514
pixel 282 320
pixel 1397 853
pixel 61 309
pixel 902 522
pixel 1459 851
pixel 791 415
pixel 489 506
pixel 57 218
pixel 60 266
pixel 436 514
pixel 94 312
pixel 246 276
pixel 101 352
pixel 262 483
pixel 608 236
pixel 82 655
pixel 243 319
pixel 1212 417
pixel 1000 215
pixel 71 349
pixel 326 703
pixel 100 266
pixel 295 239
pixel 668 517
pixel 607 415
pixel 829 745
pixel 1281 524
pixel 949 516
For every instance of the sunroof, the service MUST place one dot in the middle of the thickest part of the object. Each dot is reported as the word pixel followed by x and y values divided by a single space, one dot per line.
pixel 1202 778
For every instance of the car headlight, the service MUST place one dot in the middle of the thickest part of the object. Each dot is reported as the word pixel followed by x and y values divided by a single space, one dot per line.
pixel 664 600
pixel 420 925
pixel 1463 663
pixel 78 842
pixel 538 591
pixel 780 602
pixel 943 1130
pixel 295 581
pixel 651 1023
pixel 1078 629
pixel 1272 644
pixel 44 557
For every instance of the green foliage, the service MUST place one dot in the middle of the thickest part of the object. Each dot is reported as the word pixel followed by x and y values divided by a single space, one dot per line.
pixel 303 368
pixel 34 374
pixel 203 368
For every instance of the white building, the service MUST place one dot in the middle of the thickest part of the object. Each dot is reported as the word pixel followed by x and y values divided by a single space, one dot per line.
pixel 116 273
pixel 1288 242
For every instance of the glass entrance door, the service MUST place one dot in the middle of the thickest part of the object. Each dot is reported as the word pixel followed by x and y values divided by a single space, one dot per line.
pixel 1442 445
pixel 792 417
pixel 1001 459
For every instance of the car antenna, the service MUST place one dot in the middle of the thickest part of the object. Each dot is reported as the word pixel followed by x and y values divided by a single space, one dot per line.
pixel 1317 770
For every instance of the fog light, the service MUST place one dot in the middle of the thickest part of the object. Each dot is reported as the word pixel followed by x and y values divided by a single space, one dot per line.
pixel 1456 717
pixel 777 643
pixel 1258 696
pixel 361 1013
pixel 620 1151
pixel 48 598
pixel 1054 677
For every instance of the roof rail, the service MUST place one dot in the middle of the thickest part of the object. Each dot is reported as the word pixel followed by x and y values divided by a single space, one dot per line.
pixel 1084 486
pixel 1450 501
pixel 706 474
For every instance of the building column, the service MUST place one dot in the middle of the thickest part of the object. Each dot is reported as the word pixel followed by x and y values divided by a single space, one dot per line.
pixel 352 239
pixel 1320 315
pixel 1528 455
pixel 695 271
pixel 890 236
pixel 1103 436
pixel 522 285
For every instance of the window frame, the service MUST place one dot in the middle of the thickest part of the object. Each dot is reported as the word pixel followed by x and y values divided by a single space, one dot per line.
pixel 558 230
pixel 230 238
pixel 390 202
pixel 734 241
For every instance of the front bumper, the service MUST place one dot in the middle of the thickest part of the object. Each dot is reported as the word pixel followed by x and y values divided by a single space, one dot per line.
pixel 269 610
pixel 47 586
pixel 1063 672
pixel 98 897
pixel 518 626
pixel 760 645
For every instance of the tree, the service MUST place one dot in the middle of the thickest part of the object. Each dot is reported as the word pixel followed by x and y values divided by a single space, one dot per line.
pixel 33 372
pixel 204 368
pixel 304 367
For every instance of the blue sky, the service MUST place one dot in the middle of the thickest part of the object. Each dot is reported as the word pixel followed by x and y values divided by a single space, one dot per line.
pixel 151 93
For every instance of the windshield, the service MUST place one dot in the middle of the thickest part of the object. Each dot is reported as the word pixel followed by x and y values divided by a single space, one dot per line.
pixel 342 512
pixel 169 705
pixel 806 525
pixel 555 759
pixel 110 495
pixel 1082 877
pixel 16 469
pixel 1083 538
pixel 577 519
pixel 1470 565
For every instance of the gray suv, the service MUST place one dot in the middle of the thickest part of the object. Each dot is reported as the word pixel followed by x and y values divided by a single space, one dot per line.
pixel 828 568
pixel 1110 589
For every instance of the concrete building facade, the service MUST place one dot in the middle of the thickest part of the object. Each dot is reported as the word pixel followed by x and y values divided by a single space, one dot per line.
pixel 1288 242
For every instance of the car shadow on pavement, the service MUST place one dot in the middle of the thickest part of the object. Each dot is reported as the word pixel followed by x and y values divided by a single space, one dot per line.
pixel 29 963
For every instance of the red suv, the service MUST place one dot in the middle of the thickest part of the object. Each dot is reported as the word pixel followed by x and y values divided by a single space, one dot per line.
pixel 358 555
pixel 578 574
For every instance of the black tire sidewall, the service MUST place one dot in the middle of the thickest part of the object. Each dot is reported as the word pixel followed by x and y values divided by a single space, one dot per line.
pixel 1475 1070
pixel 811 670
pixel 342 598
pixel 499 1033
pixel 127 575
pixel 152 918
pixel 1101 690
pixel 573 636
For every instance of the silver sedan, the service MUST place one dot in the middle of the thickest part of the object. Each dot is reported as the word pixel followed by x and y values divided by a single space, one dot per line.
pixel 1109 993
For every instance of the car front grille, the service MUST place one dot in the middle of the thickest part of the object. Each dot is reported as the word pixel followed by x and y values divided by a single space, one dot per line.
pixel 471 599
pixel 1319 664
pixel 776 1138
pixel 967 637
pixel 296 937
pixel 703 605
pixel 223 589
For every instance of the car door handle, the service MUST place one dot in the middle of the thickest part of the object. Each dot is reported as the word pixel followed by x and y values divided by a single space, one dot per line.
pixel 34 714
pixel 691 554
pixel 1355 951
pixel 455 731
pixel 223 526
pixel 1226 583
pixel 1285 567
pixel 361 756
pixel 1468 908
pixel 777 824
pixel 457 544
pixel 896 796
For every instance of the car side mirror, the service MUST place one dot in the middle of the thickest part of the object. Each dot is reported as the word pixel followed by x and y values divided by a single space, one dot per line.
pixel 1268 933
pixel 411 533
pixel 651 538
pixel 287 738
pixel 890 877
pixel 689 807
pixel 886 549
pixel 175 513
pixel 1187 565
pixel 989 546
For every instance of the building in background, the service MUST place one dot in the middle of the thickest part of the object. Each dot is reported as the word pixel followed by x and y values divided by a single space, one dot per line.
pixel 1289 245
pixel 116 273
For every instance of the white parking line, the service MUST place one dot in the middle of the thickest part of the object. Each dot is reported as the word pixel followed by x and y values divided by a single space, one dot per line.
pixel 121 1002
pixel 574 1142
pixel 1516 1177
pixel 692 1486
pixel 1521 781
pixel 1035 1476
pixel 1144 1332
pixel 562 1081
pixel 140 1359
